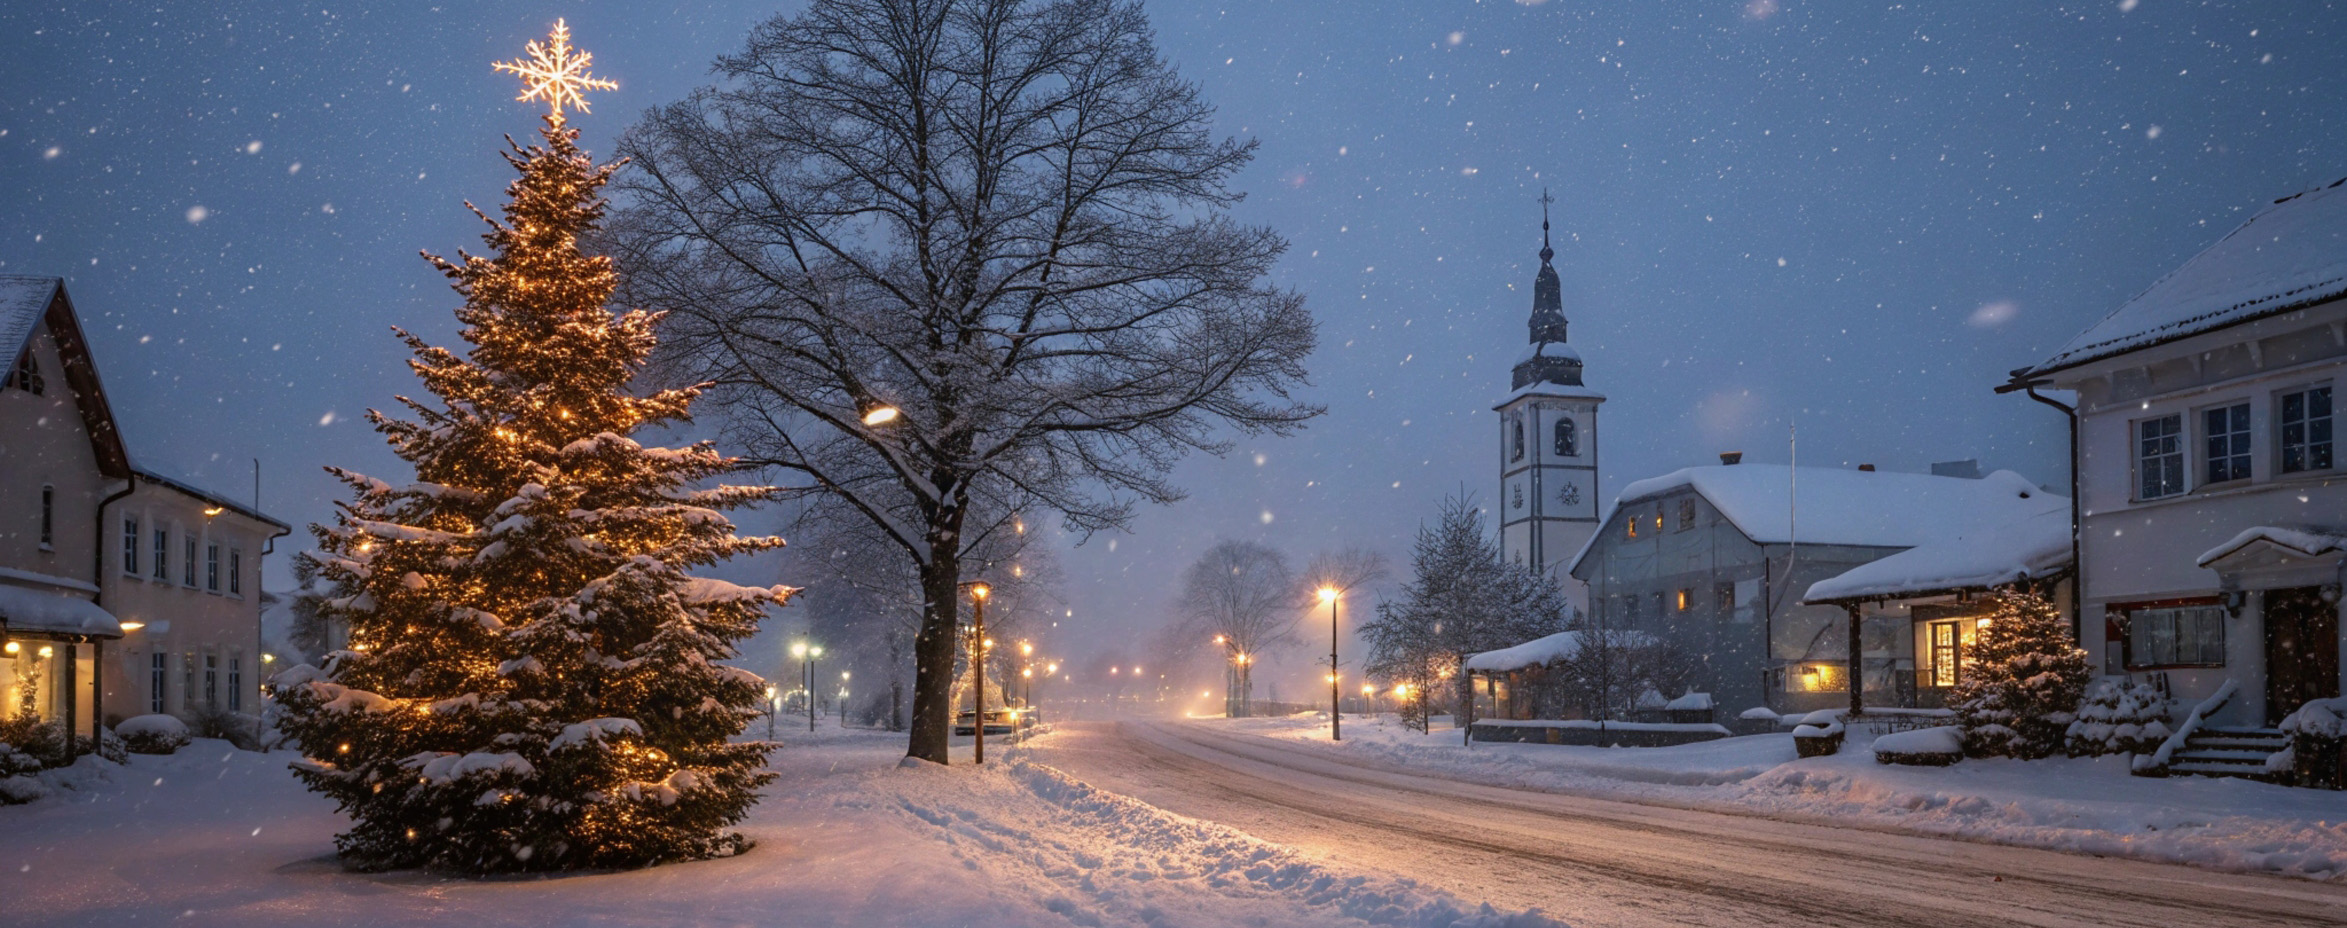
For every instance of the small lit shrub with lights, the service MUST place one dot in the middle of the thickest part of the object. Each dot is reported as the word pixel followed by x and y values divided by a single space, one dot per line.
pixel 532 680
pixel 2022 682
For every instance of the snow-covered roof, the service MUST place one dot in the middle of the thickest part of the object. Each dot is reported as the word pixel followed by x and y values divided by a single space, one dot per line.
pixel 1841 506
pixel 2291 254
pixel 23 609
pixel 1980 556
pixel 1545 388
pixel 1558 647
pixel 2305 543
pixel 1547 350
pixel 23 300
pixel 210 497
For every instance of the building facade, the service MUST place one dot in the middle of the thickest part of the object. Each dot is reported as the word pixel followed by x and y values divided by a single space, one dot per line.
pixel 1715 562
pixel 1548 444
pixel 122 591
pixel 2213 521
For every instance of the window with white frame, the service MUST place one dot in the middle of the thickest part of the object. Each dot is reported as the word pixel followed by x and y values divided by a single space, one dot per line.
pixel 163 554
pixel 2225 434
pixel 211 680
pixel 48 517
pixel 236 570
pixel 187 567
pixel 2159 457
pixel 1568 439
pixel 235 683
pixel 130 545
pixel 212 567
pixel 2305 417
pixel 2176 635
pixel 27 375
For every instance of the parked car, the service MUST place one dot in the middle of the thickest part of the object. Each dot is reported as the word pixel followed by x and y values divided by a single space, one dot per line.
pixel 998 722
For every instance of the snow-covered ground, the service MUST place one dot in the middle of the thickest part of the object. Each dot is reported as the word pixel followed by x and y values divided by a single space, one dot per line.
pixel 2090 806
pixel 216 836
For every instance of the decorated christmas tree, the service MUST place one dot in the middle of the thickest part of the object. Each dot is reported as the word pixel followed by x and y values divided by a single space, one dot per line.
pixel 2021 682
pixel 531 681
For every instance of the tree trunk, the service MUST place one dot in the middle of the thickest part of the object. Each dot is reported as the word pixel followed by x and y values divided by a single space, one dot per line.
pixel 933 656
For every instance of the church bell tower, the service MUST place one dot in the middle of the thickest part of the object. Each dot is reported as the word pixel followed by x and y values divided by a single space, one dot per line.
pixel 1548 442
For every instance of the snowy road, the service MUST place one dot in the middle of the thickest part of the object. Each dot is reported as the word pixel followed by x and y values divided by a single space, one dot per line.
pixel 1599 862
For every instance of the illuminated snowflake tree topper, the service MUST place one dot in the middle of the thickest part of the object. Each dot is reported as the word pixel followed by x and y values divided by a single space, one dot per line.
pixel 556 73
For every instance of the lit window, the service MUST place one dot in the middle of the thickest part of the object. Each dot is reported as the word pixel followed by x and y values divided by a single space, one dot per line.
pixel 2306 430
pixel 1819 678
pixel 1686 599
pixel 2159 457
pixel 2227 442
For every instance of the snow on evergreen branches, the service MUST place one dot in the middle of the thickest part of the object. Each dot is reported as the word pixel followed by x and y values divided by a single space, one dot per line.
pixel 532 678
pixel 2021 681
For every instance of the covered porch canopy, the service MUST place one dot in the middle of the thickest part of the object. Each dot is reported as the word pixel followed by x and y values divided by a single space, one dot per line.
pixel 2032 551
pixel 58 620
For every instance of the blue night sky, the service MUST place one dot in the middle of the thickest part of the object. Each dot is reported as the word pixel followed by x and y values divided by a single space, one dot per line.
pixel 1850 216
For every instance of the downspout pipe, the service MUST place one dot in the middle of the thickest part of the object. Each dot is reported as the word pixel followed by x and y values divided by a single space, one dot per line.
pixel 2077 511
pixel 97 652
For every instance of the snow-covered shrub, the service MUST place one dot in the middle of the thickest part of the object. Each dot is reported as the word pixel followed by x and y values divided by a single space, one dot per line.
pixel 1819 734
pixel 1927 747
pixel 2021 684
pixel 153 734
pixel 2119 717
pixel 2317 753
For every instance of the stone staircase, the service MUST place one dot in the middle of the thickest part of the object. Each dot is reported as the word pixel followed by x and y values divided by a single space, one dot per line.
pixel 2228 752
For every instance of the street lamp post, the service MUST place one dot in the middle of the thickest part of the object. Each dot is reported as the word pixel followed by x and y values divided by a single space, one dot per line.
pixel 807 653
pixel 843 699
pixel 770 713
pixel 978 594
pixel 1328 594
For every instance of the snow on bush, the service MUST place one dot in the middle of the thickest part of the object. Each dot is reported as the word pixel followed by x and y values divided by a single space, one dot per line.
pixel 153 734
pixel 2021 685
pixel 1758 712
pixel 2119 717
pixel 1936 747
pixel 2321 718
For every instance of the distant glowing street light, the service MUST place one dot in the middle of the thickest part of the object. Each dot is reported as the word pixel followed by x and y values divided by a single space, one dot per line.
pixel 881 415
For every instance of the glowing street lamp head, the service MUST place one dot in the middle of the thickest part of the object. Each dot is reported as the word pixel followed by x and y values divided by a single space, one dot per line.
pixel 798 649
pixel 979 591
pixel 881 415
pixel 1328 594
pixel 555 74
pixel 1026 649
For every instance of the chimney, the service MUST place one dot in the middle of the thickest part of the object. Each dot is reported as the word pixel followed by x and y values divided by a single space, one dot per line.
pixel 1868 468
pixel 1731 457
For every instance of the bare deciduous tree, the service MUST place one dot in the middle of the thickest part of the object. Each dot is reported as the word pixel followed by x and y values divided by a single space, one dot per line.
pixel 1241 596
pixel 1003 219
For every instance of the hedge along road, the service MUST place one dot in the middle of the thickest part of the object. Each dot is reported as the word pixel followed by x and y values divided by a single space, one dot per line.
pixel 1599 862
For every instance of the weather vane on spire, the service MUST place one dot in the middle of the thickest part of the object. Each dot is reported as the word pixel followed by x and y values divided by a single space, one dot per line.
pixel 1545 252
pixel 554 75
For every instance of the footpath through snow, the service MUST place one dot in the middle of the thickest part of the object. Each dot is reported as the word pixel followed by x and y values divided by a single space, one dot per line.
pixel 2085 805
pixel 847 837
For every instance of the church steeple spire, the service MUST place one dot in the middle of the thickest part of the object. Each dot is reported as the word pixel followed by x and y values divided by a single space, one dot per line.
pixel 1548 360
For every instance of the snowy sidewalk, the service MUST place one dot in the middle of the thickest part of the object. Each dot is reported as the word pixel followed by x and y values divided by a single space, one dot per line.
pixel 214 836
pixel 2087 805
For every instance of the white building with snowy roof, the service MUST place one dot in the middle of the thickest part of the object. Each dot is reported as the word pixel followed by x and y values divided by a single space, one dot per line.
pixel 123 592
pixel 1721 564
pixel 2212 501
